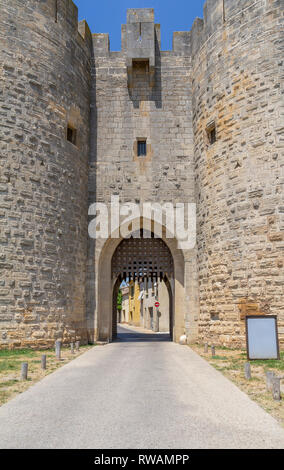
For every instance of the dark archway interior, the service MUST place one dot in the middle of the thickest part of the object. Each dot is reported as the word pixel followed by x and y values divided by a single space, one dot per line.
pixel 140 259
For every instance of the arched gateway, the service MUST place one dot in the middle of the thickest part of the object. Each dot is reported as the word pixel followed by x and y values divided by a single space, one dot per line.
pixel 140 259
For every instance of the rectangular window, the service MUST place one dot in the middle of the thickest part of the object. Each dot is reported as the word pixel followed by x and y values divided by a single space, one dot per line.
pixel 211 132
pixel 141 148
pixel 71 135
pixel 214 316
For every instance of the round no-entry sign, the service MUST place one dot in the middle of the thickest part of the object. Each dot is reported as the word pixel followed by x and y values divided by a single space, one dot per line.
pixel 157 304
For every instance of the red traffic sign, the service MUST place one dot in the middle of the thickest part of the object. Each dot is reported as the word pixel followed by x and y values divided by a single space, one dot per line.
pixel 157 304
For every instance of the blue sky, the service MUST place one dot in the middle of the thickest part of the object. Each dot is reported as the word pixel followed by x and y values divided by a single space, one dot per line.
pixel 106 16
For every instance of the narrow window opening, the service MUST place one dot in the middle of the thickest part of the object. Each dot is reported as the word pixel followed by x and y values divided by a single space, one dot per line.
pixel 71 134
pixel 211 133
pixel 141 148
pixel 212 136
pixel 56 10
pixel 214 316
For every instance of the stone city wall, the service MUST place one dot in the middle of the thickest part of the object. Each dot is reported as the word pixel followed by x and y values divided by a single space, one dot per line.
pixel 237 71
pixel 211 111
pixel 45 85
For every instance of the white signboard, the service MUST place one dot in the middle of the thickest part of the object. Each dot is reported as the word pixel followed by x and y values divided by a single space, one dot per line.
pixel 262 337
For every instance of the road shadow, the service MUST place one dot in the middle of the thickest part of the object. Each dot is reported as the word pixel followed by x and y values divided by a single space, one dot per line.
pixel 127 335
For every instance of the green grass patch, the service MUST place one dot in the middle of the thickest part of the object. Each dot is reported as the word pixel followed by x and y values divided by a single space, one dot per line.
pixel 17 352
pixel 269 363
pixel 7 365
pixel 237 363
pixel 221 368
pixel 222 358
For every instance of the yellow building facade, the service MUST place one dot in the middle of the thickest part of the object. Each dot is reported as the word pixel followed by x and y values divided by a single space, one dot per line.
pixel 134 304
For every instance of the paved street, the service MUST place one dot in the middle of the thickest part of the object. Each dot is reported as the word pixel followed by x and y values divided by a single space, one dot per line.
pixel 139 392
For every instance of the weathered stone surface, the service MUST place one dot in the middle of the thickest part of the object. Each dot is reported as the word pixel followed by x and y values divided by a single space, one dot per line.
pixel 45 83
pixel 226 72
pixel 236 76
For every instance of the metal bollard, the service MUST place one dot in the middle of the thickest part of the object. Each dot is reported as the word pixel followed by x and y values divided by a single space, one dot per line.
pixel 276 393
pixel 247 371
pixel 43 361
pixel 58 349
pixel 206 347
pixel 24 371
pixel 77 345
pixel 213 351
pixel 72 348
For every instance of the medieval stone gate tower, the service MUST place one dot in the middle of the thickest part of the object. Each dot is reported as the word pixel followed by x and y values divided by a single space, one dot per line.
pixel 209 117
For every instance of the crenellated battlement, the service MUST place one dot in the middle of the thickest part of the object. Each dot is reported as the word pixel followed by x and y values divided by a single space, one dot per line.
pixel 213 19
pixel 182 43
pixel 65 13
pixel 101 43
pixel 85 32
pixel 216 14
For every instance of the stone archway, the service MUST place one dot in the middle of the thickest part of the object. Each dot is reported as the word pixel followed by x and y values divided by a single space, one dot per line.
pixel 106 282
pixel 171 307
pixel 143 260
pixel 114 308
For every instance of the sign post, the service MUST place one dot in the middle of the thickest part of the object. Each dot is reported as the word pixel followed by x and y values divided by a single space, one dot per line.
pixel 157 304
pixel 262 337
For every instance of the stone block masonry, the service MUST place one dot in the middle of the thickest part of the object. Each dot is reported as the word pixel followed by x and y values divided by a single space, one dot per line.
pixel 238 85
pixel 45 86
pixel 72 114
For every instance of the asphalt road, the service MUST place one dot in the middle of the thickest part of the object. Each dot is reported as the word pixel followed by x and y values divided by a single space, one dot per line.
pixel 139 392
